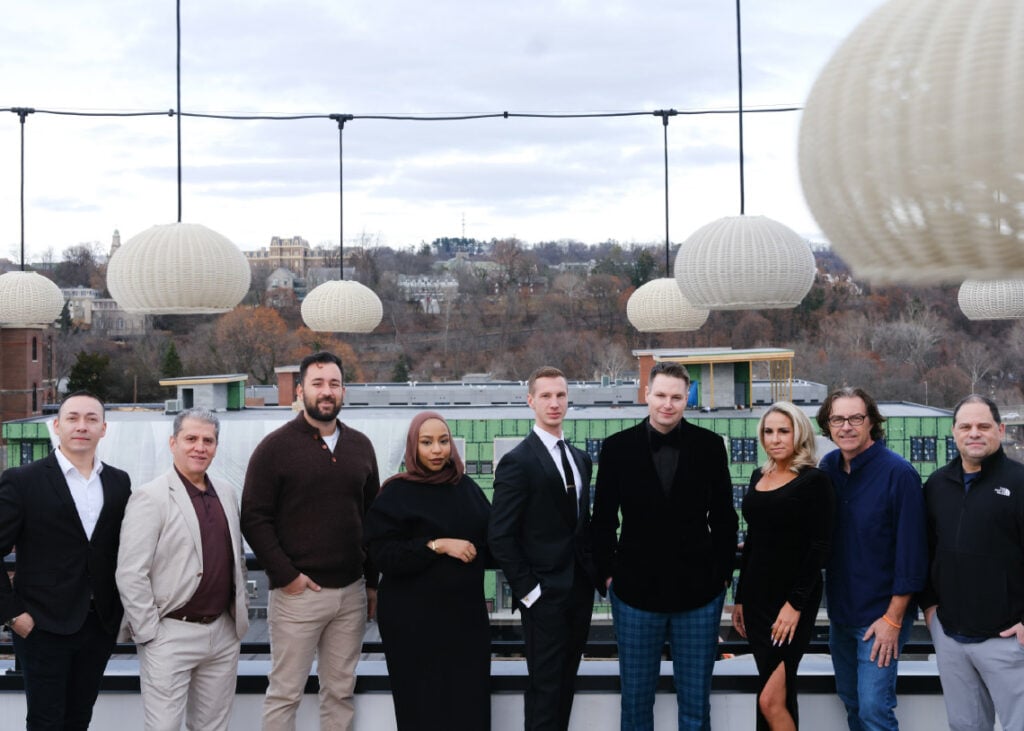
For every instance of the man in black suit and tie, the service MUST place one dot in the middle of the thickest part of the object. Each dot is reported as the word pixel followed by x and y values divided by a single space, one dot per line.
pixel 539 534
pixel 63 516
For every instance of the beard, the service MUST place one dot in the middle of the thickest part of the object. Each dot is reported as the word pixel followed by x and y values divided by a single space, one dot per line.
pixel 323 410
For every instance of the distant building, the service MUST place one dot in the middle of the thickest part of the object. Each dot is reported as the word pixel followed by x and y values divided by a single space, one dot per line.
pixel 724 377
pixel 26 373
pixel 103 315
pixel 577 267
pixel 315 276
pixel 461 262
pixel 294 254
pixel 429 290
pixel 217 392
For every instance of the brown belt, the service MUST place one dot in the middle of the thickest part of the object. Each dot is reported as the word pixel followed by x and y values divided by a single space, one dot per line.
pixel 196 618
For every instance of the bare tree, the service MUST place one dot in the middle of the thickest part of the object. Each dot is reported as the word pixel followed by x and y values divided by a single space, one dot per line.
pixel 614 360
pixel 976 360
pixel 911 339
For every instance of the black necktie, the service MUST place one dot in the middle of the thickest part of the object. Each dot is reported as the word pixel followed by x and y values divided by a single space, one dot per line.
pixel 570 481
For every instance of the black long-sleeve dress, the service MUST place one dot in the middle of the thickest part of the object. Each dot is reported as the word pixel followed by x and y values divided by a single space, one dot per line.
pixel 430 609
pixel 789 535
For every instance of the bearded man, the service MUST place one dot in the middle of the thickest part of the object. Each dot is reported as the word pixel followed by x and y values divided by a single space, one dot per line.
pixel 307 488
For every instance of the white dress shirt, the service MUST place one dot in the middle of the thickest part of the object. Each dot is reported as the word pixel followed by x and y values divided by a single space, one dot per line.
pixel 550 442
pixel 87 492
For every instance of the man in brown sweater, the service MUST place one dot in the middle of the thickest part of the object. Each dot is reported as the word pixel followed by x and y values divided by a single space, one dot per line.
pixel 307 488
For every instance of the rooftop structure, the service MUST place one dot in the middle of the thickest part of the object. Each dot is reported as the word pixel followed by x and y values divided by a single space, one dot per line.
pixel 725 377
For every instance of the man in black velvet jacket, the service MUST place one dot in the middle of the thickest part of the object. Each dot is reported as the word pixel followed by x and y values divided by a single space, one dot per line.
pixel 668 570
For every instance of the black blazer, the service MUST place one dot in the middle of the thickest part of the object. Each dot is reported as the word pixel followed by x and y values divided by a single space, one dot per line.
pixel 675 551
pixel 58 568
pixel 532 534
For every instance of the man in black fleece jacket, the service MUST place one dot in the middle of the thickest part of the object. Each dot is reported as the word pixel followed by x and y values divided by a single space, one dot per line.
pixel 974 600
pixel 307 488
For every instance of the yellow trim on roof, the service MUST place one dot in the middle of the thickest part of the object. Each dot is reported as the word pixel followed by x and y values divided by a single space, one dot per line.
pixel 205 380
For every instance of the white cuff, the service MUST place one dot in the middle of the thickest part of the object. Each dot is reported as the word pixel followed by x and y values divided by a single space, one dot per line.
pixel 530 598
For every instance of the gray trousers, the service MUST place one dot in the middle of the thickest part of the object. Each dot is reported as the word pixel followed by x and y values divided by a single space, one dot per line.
pixel 980 680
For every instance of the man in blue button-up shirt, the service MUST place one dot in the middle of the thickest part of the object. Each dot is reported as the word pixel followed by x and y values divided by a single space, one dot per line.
pixel 879 557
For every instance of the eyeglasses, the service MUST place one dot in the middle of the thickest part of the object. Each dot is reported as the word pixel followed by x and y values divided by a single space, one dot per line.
pixel 855 420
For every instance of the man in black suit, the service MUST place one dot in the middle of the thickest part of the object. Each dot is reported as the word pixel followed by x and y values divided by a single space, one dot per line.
pixel 63 516
pixel 539 534
pixel 668 570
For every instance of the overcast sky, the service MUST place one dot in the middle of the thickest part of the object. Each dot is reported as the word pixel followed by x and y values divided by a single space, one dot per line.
pixel 405 182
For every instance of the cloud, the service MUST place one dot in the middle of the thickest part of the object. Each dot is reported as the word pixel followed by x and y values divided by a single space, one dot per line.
pixel 541 179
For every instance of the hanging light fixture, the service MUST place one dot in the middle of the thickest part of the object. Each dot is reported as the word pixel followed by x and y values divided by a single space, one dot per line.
pixel 994 299
pixel 27 299
pixel 911 148
pixel 178 268
pixel 340 306
pixel 658 305
pixel 744 262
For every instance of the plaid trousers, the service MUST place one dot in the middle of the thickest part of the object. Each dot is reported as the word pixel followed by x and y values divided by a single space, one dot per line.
pixel 693 638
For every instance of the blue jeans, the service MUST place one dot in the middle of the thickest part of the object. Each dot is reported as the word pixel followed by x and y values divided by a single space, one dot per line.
pixel 867 691
pixel 641 635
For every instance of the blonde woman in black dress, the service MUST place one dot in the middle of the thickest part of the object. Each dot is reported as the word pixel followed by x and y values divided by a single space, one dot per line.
pixel 789 510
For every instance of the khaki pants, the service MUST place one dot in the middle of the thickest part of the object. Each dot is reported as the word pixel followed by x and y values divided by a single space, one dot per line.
pixel 189 670
pixel 329 624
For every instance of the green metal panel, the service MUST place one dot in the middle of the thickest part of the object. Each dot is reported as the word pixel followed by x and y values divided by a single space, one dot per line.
pixel 741 375
pixel 26 430
pixel 490 586
pixel 462 428
pixel 236 395
pixel 472 452
pixel 480 430
pixel 694 372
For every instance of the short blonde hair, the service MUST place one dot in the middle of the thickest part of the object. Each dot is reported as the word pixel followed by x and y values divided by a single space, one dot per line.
pixel 803 437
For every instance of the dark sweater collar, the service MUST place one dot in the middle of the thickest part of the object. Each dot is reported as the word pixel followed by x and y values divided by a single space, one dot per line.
pixel 656 439
pixel 300 423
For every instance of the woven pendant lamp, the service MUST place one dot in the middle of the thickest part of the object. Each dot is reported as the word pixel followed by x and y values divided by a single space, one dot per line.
pixel 658 305
pixel 995 299
pixel 744 262
pixel 912 144
pixel 178 268
pixel 27 299
pixel 340 306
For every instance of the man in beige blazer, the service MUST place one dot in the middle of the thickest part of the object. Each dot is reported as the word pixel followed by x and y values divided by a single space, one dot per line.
pixel 181 576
